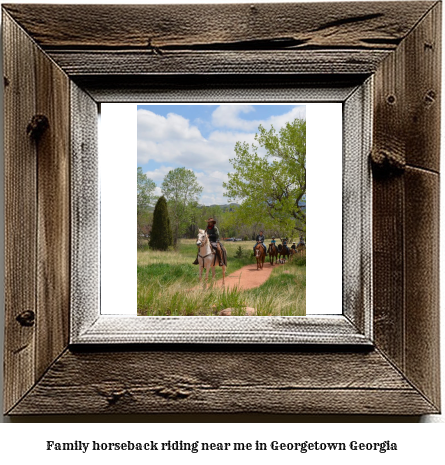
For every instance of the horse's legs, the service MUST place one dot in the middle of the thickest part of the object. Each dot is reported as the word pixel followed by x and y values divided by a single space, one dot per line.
pixel 213 272
pixel 224 272
pixel 200 272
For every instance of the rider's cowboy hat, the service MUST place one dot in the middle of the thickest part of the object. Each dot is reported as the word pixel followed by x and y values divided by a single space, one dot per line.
pixel 211 220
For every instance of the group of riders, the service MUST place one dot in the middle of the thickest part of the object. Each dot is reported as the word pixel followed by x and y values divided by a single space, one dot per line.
pixel 260 240
pixel 213 235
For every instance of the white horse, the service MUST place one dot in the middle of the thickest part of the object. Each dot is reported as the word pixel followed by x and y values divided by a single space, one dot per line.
pixel 206 256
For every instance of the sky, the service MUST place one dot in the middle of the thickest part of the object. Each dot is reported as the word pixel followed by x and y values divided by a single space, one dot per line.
pixel 202 138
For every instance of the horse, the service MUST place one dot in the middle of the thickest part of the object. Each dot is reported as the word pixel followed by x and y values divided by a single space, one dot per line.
pixel 273 252
pixel 283 251
pixel 206 256
pixel 260 255
pixel 301 249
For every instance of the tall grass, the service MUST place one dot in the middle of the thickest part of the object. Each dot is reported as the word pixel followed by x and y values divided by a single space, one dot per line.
pixel 168 285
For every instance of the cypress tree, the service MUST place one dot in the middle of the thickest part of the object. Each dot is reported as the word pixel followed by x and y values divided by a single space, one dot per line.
pixel 161 234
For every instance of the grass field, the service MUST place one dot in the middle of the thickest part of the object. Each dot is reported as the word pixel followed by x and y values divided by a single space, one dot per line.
pixel 166 279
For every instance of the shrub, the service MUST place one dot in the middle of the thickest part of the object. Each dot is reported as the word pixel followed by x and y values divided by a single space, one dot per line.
pixel 161 233
pixel 300 261
pixel 239 252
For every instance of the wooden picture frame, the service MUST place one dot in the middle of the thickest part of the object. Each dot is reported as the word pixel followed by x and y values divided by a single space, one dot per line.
pixel 381 360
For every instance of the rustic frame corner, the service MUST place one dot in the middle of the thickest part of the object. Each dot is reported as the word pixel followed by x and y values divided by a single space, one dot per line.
pixel 54 78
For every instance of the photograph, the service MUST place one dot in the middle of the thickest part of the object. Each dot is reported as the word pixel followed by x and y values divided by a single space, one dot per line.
pixel 221 210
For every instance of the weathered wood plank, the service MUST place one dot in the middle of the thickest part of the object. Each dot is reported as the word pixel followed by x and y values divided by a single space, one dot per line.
pixel 274 25
pixel 53 227
pixel 193 88
pixel 423 91
pixel 223 382
pixel 78 62
pixel 388 201
pixel 406 131
pixel 357 201
pixel 422 281
pixel 85 244
pixel 20 213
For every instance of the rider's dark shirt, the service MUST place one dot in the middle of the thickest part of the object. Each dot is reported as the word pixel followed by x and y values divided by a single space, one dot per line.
pixel 260 238
pixel 213 233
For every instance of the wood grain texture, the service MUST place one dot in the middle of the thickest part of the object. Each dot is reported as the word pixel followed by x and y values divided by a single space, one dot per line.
pixel 407 133
pixel 223 382
pixel 193 88
pixel 357 206
pixel 388 201
pixel 80 62
pixel 423 91
pixel 53 226
pixel 84 203
pixel 348 25
pixel 422 323
pixel 20 211
pixel 388 268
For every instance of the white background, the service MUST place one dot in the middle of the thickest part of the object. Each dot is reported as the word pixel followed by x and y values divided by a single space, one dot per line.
pixel 117 160
pixel 25 443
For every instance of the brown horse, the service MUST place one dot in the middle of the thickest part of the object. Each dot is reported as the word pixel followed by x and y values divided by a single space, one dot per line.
pixel 283 251
pixel 273 252
pixel 260 255
pixel 301 249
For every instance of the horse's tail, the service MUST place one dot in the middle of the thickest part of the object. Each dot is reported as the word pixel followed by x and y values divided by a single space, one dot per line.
pixel 280 247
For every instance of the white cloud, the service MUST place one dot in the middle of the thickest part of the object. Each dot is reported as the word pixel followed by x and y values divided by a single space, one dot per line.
pixel 173 141
pixel 183 144
pixel 158 128
pixel 158 174
pixel 229 116
pixel 213 191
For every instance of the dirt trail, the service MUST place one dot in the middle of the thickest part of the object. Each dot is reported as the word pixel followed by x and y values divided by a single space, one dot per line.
pixel 246 277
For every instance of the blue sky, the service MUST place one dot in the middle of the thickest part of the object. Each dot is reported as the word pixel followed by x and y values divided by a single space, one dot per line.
pixel 202 138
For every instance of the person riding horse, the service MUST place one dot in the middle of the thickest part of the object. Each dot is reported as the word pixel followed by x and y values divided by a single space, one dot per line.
pixel 213 235
pixel 284 241
pixel 260 240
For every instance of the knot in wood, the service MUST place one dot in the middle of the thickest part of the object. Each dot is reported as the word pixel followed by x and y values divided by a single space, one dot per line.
pixel 37 126
pixel 387 162
pixel 26 318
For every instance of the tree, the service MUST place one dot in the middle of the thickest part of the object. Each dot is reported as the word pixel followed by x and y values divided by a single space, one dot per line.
pixel 145 198
pixel 146 188
pixel 161 235
pixel 181 189
pixel 272 187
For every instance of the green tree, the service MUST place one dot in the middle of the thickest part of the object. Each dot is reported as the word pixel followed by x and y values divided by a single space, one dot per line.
pixel 272 187
pixel 145 198
pixel 146 188
pixel 161 235
pixel 181 189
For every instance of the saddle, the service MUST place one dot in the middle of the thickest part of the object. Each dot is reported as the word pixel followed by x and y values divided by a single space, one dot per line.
pixel 222 259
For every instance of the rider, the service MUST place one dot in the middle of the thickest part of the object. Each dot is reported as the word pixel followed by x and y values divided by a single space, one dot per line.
pixel 273 241
pixel 284 241
pixel 302 241
pixel 260 240
pixel 294 247
pixel 213 235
